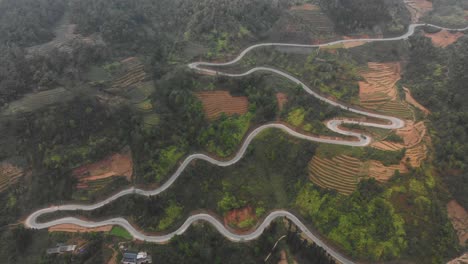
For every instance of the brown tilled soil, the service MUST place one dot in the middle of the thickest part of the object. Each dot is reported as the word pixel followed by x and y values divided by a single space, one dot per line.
pixel 217 102
pixel 410 99
pixel 234 217
pixel 412 133
pixel 379 85
pixel 282 99
pixel 9 174
pixel 308 7
pixel 463 259
pixel 459 218
pixel 418 8
pixel 118 164
pixel 75 228
pixel 443 38
pixel 383 173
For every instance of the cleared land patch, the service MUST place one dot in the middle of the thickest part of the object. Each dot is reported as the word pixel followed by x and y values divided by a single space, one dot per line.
pixel 71 228
pixel 242 218
pixel 340 173
pixel 459 218
pixel 217 102
pixel 444 38
pixel 9 174
pixel 379 92
pixel 418 8
pixel 282 99
pixel 118 164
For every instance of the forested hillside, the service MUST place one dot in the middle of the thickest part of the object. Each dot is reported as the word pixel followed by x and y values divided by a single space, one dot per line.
pixel 29 22
pixel 97 96
pixel 390 16
pixel 438 80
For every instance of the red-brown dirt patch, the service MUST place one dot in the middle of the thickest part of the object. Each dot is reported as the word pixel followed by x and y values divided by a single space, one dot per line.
pixel 443 38
pixel 9 174
pixel 463 259
pixel 383 173
pixel 217 102
pixel 75 228
pixel 282 99
pixel 236 216
pixel 307 7
pixel 118 164
pixel 459 218
pixel 418 8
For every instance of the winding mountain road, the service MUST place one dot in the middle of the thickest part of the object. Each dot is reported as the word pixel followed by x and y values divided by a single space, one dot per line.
pixel 362 140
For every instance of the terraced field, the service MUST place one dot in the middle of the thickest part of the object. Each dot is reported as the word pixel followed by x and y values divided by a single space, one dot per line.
pixel 9 174
pixel 340 173
pixel 379 91
pixel 217 102
pixel 34 101
pixel 134 73
pixel 305 23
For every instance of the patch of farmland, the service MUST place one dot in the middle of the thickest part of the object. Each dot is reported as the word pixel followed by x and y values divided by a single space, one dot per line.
pixel 416 155
pixel 379 92
pixel 459 218
pixel 9 174
pixel 443 38
pixel 97 174
pixel 303 23
pixel 70 228
pixel 34 101
pixel 418 8
pixel 340 173
pixel 217 102
pixel 133 72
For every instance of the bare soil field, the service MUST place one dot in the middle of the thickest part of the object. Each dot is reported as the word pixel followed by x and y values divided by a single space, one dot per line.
pixel 9 174
pixel 379 92
pixel 463 259
pixel 459 218
pixel 412 133
pixel 308 7
pixel 78 229
pixel 282 99
pixel 383 173
pixel 118 164
pixel 444 38
pixel 418 8
pixel 217 102
pixel 236 216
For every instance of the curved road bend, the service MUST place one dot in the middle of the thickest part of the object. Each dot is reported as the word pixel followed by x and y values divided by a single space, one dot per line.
pixel 394 123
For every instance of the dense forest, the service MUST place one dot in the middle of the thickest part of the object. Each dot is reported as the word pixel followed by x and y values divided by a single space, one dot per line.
pixel 350 16
pixel 438 80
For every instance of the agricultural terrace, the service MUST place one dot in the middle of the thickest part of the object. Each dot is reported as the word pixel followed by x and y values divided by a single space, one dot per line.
pixel 217 102
pixel 379 92
pixel 118 164
pixel 71 228
pixel 9 174
pixel 133 72
pixel 303 23
pixel 459 218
